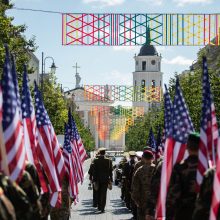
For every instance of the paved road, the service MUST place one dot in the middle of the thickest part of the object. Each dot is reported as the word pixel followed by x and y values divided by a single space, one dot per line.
pixel 115 208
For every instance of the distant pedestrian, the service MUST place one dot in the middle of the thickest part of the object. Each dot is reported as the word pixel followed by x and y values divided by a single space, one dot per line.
pixel 102 177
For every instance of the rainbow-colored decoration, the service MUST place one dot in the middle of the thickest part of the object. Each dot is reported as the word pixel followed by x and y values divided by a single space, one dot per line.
pixel 112 93
pixel 130 29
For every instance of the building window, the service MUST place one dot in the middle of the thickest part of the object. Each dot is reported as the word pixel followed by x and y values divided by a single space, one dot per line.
pixel 143 65
pixel 143 83
pixel 135 83
pixel 153 62
pixel 136 63
pixel 153 83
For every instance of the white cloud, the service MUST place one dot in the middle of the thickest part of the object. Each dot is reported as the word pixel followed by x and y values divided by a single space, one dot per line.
pixel 126 48
pixel 118 78
pixel 154 2
pixel 104 3
pixel 182 3
pixel 179 60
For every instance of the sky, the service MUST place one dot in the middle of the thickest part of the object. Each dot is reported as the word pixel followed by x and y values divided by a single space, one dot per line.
pixel 103 65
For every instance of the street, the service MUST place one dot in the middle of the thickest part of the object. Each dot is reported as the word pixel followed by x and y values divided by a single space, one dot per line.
pixel 115 208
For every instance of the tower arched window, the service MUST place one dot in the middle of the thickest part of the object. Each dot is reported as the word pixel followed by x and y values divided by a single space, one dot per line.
pixel 153 83
pixel 144 65
pixel 143 83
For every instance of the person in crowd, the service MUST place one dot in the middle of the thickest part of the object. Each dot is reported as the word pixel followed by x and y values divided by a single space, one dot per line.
pixel 63 212
pixel 128 172
pixel 7 211
pixel 28 186
pixel 141 184
pixel 154 190
pixel 102 177
pixel 121 167
pixel 18 198
pixel 91 178
pixel 204 199
pixel 182 194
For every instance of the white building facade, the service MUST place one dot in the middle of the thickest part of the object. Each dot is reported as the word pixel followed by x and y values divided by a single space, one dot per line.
pixel 147 72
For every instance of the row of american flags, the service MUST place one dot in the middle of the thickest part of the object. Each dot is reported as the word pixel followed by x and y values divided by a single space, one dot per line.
pixel 177 127
pixel 27 134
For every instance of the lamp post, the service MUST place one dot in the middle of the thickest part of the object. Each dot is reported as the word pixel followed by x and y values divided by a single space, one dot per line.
pixel 53 71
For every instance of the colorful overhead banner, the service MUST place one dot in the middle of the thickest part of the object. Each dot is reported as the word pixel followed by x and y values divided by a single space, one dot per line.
pixel 132 29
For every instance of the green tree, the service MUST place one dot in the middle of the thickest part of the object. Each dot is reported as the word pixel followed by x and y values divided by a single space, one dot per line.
pixel 14 36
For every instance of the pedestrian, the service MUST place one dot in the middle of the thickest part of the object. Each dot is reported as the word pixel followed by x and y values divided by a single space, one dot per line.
pixel 141 184
pixel 182 193
pixel 128 174
pixel 121 167
pixel 204 199
pixel 102 177
pixel 91 178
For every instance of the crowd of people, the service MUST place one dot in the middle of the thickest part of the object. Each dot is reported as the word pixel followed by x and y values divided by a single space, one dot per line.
pixel 140 184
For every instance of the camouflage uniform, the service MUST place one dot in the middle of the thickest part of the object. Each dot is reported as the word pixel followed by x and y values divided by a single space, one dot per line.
pixel 141 188
pixel 204 199
pixel 138 164
pixel 62 213
pixel 154 189
pixel 128 174
pixel 18 198
pixel 7 211
pixel 27 184
pixel 182 194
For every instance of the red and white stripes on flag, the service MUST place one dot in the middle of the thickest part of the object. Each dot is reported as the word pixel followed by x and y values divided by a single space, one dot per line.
pixel 216 187
pixel 12 127
pixel 175 145
pixel 209 129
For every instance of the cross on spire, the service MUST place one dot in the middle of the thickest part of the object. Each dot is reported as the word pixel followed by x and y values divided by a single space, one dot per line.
pixel 76 67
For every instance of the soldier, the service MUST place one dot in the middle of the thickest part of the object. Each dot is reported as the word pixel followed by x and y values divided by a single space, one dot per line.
pixel 27 184
pixel 18 198
pixel 7 211
pixel 128 174
pixel 204 199
pixel 154 190
pixel 91 178
pixel 182 194
pixel 141 184
pixel 63 212
pixel 121 167
pixel 102 177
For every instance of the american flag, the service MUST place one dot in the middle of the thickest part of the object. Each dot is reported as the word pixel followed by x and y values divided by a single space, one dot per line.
pixel 70 165
pixel 29 125
pixel 152 142
pixel 208 141
pixel 175 145
pixel 79 143
pixel 12 127
pixel 49 151
pixel 75 149
pixel 208 130
pixel 159 150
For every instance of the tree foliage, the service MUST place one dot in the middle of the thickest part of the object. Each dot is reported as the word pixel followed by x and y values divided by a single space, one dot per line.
pixel 14 37
pixel 191 84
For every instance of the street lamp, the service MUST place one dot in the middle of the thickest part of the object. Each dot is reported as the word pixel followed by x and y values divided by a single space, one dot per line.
pixel 53 70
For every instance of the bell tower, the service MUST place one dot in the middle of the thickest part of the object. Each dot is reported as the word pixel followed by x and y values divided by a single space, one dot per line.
pixel 147 72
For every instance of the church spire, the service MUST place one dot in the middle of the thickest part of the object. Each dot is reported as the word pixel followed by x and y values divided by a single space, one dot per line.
pixel 148 38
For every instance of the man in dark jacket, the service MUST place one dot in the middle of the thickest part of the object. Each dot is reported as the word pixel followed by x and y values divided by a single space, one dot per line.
pixel 102 177
pixel 182 194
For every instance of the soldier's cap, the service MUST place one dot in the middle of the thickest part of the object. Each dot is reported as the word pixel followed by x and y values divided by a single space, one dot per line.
pixel 193 141
pixel 102 149
pixel 139 153
pixel 147 154
pixel 125 154
pixel 147 148
pixel 132 153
